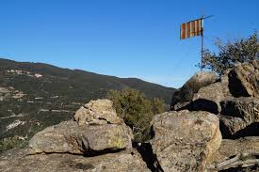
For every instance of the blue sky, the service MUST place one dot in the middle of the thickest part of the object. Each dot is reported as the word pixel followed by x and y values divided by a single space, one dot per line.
pixel 125 38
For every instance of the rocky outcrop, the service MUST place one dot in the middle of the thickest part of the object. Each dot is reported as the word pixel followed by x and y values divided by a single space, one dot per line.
pixel 208 98
pixel 234 99
pixel 68 137
pixel 183 141
pixel 182 97
pixel 238 113
pixel 244 80
pixel 97 112
pixel 95 132
pixel 16 161
pixel 98 141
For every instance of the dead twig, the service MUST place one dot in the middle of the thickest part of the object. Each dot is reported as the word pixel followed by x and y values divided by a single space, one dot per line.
pixel 240 160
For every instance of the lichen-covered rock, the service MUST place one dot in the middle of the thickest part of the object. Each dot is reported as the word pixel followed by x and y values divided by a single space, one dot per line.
pixel 238 113
pixel 97 112
pixel 183 141
pixel 69 137
pixel 16 161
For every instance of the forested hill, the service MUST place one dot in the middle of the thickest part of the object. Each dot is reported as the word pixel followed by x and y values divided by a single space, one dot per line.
pixel 74 84
pixel 36 95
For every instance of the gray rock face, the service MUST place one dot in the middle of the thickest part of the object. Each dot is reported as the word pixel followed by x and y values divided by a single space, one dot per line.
pixel 238 113
pixel 185 140
pixel 183 96
pixel 15 161
pixel 234 98
pixel 69 137
pixel 98 129
pixel 208 98
pixel 244 80
pixel 97 112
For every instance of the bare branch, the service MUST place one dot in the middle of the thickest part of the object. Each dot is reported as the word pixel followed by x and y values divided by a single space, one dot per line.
pixel 240 160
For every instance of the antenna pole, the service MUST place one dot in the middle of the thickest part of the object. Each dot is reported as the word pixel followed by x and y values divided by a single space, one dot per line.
pixel 202 37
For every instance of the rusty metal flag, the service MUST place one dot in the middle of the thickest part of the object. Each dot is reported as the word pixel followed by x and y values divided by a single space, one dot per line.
pixel 191 28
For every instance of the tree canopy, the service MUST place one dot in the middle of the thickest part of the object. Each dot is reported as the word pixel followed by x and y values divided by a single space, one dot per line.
pixel 231 53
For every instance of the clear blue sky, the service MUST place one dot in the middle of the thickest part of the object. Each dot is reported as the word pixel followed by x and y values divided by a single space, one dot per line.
pixel 125 38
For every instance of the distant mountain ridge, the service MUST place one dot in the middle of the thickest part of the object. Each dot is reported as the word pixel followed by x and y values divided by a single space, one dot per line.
pixel 103 81
pixel 36 95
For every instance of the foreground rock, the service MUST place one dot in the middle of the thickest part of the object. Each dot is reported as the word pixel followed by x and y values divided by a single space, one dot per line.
pixel 16 161
pixel 68 137
pixel 98 141
pixel 184 140
pixel 97 112
pixel 97 130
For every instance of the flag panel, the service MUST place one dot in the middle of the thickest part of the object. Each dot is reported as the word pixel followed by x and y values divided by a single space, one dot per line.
pixel 193 28
pixel 190 29
pixel 183 31
pixel 196 27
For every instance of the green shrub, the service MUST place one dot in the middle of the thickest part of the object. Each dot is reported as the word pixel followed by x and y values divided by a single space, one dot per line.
pixel 12 142
pixel 136 110
pixel 159 106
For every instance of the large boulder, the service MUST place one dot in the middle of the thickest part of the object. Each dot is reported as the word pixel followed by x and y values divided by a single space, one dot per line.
pixel 97 112
pixel 238 113
pixel 97 130
pixel 244 80
pixel 241 81
pixel 184 141
pixel 16 161
pixel 182 97
pixel 69 137
pixel 208 98
pixel 97 141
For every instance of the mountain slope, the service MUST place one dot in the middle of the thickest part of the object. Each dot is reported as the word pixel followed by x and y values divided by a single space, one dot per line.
pixel 96 83
pixel 36 95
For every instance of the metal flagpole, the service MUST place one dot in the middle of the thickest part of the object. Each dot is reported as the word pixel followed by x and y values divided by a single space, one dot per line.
pixel 202 37
pixel 194 28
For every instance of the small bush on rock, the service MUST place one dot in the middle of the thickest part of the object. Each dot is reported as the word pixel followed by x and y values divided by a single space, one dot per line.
pixel 136 110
